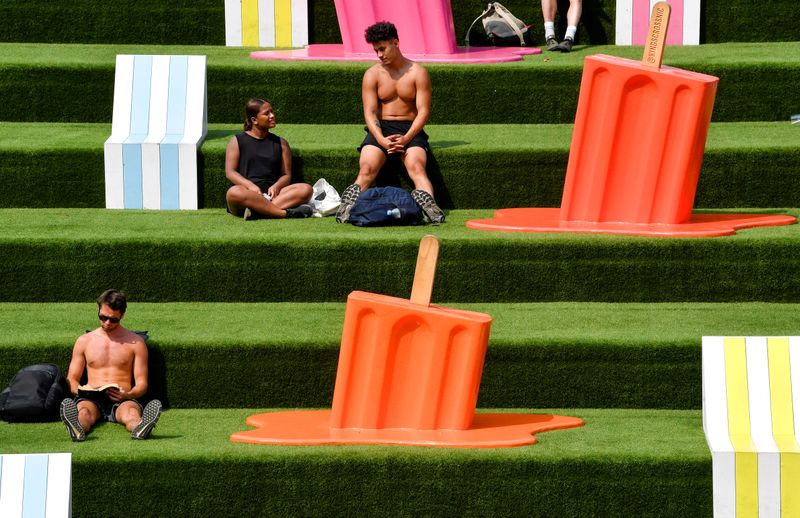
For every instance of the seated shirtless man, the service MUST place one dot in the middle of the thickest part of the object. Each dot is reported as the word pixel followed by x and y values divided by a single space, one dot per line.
pixel 396 94
pixel 111 355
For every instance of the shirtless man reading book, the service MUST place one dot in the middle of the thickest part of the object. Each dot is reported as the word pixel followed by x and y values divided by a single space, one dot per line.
pixel 396 96
pixel 115 360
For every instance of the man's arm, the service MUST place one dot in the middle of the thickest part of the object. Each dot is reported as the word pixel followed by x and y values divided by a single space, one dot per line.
pixel 77 364
pixel 423 102
pixel 371 103
pixel 286 173
pixel 232 167
pixel 140 374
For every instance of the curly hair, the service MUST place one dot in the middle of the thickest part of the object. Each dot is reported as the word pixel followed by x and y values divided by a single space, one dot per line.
pixel 381 31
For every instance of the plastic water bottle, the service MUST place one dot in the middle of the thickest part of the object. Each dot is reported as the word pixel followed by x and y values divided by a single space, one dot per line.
pixel 394 213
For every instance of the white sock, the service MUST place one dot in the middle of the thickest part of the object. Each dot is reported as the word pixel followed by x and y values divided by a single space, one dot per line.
pixel 549 30
pixel 571 30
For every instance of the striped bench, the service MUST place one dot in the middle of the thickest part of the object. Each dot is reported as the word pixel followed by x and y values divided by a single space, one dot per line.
pixel 751 416
pixel 36 485
pixel 633 20
pixel 159 122
pixel 266 23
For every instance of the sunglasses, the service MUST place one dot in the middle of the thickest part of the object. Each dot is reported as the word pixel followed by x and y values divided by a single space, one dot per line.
pixel 103 318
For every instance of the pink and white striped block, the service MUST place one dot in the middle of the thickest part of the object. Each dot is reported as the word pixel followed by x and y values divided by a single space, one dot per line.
pixel 633 19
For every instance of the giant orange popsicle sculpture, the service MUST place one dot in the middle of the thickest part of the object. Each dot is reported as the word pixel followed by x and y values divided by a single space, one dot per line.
pixel 637 147
pixel 409 374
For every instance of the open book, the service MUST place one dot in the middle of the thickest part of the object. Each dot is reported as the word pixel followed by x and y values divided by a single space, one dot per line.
pixel 85 390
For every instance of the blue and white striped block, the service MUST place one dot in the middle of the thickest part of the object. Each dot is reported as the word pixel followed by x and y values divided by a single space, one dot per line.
pixel 36 485
pixel 751 419
pixel 159 122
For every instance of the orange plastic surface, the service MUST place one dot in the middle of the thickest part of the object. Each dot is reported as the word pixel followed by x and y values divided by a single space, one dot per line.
pixel 699 225
pixel 405 365
pixel 409 373
pixel 312 427
pixel 635 157
pixel 638 142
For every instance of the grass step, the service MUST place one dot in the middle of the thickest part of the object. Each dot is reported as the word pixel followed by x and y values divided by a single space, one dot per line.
pixel 621 463
pixel 151 21
pixel 747 164
pixel 756 81
pixel 71 255
pixel 540 354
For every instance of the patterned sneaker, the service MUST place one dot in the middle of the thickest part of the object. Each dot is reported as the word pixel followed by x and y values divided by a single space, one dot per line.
pixel 301 211
pixel 150 416
pixel 428 205
pixel 69 416
pixel 566 45
pixel 349 197
pixel 248 215
pixel 552 43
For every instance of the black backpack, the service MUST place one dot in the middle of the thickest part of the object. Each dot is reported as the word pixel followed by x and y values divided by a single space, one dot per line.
pixel 384 206
pixel 34 394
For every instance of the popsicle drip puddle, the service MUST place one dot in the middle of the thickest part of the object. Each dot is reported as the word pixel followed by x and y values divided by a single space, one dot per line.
pixel 636 152
pixel 409 374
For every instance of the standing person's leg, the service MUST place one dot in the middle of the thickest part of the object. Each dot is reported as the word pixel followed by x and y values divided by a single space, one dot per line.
pixel 573 17
pixel 549 15
pixel 369 165
pixel 415 159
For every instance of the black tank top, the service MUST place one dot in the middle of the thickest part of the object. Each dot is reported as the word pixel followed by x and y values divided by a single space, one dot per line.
pixel 260 160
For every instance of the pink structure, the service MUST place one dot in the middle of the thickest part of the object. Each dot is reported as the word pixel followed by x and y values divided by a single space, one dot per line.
pixel 426 34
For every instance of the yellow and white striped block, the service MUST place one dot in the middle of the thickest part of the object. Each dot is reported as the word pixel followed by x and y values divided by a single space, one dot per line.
pixel 751 418
pixel 37 485
pixel 266 23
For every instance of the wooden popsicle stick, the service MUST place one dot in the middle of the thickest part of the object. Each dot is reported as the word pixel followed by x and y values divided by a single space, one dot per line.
pixel 426 270
pixel 656 35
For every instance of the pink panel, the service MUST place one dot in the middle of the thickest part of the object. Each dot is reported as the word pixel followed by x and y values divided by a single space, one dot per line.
pixel 641 22
pixel 424 26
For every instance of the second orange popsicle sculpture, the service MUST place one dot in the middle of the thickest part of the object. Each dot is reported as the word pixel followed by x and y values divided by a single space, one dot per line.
pixel 409 373
pixel 637 147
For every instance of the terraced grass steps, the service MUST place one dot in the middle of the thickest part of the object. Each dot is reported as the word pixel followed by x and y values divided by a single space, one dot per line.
pixel 540 354
pixel 746 164
pixel 69 255
pixel 151 21
pixel 621 463
pixel 757 83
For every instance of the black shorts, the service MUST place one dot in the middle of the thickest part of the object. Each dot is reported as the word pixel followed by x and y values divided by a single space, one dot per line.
pixel 395 128
pixel 106 406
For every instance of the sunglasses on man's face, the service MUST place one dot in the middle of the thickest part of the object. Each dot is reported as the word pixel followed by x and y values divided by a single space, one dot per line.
pixel 103 318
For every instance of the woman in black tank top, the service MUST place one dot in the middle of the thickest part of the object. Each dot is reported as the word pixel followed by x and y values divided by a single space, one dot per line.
pixel 259 164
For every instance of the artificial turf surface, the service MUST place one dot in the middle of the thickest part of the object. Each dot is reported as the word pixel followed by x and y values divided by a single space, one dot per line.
pixel 747 164
pixel 556 354
pixel 621 463
pixel 756 83
pixel 69 255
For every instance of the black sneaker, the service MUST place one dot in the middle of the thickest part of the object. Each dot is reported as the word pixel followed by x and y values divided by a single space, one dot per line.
pixel 150 416
pixel 566 45
pixel 301 211
pixel 552 43
pixel 349 197
pixel 69 416
pixel 428 205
